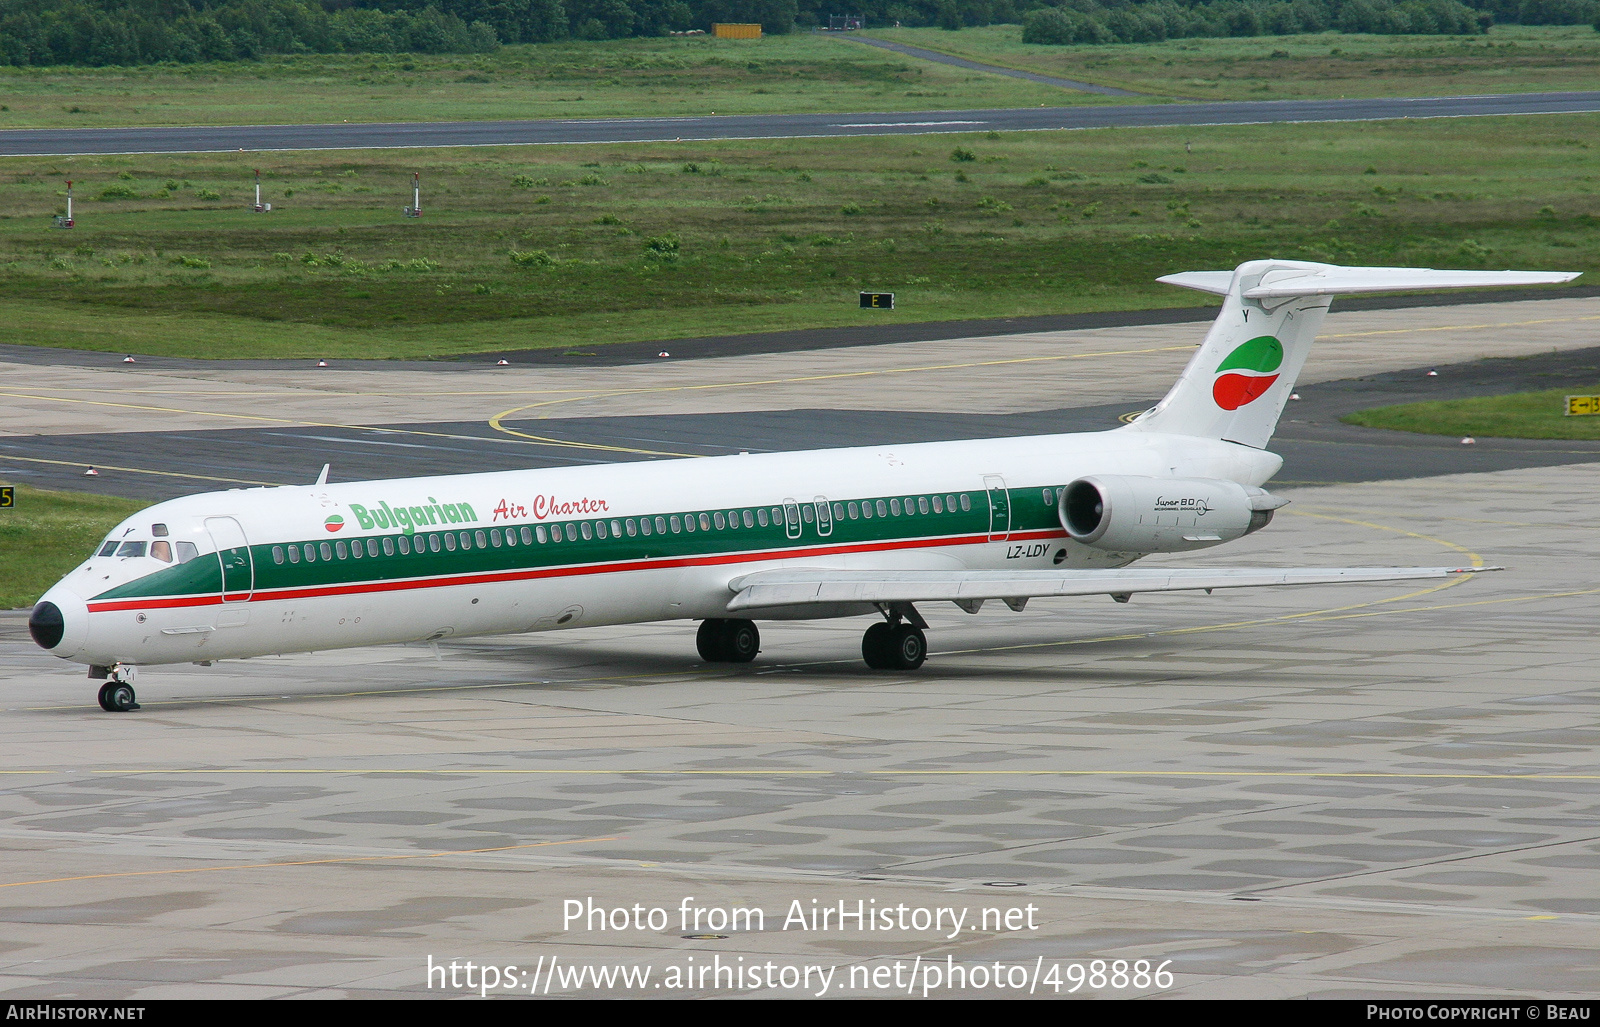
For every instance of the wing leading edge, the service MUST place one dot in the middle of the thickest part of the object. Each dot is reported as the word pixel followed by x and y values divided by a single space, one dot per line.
pixel 802 586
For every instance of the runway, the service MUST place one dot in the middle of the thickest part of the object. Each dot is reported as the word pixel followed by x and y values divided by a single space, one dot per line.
pixel 207 139
pixel 1381 792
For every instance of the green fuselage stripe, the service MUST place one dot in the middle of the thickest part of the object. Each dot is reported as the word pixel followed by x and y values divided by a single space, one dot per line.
pixel 1029 511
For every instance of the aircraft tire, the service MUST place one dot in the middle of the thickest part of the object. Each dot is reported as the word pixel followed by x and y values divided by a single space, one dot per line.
pixel 875 646
pixel 741 641
pixel 105 697
pixel 908 647
pixel 121 697
pixel 711 640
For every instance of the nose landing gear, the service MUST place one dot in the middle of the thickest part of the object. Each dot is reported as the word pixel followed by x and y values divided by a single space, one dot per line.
pixel 898 643
pixel 116 695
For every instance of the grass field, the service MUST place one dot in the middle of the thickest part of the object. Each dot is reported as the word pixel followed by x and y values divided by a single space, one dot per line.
pixel 619 78
pixel 1509 59
pixel 47 534
pixel 543 246
pixel 1522 415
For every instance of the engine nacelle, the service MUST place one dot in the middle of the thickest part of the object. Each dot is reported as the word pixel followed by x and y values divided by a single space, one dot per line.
pixel 1129 513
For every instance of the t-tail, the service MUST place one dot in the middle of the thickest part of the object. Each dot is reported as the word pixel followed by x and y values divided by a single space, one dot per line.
pixel 1235 387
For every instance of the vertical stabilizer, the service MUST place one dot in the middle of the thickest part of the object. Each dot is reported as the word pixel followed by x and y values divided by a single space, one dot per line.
pixel 1236 385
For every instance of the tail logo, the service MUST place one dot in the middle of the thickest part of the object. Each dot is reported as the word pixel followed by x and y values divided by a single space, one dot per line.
pixel 1248 372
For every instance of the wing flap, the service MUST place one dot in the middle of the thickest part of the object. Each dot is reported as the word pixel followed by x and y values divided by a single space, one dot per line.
pixel 805 586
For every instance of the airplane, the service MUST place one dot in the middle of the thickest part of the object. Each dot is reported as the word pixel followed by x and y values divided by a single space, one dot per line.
pixel 868 531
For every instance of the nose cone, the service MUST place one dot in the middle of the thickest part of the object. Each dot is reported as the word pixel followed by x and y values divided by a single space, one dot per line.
pixel 46 625
pixel 60 622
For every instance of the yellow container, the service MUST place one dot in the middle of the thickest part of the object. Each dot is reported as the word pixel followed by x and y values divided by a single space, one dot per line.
pixel 722 31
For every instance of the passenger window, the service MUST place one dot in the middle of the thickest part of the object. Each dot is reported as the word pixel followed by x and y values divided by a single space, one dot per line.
pixel 388 546
pixel 838 511
pixel 749 519
pixel 676 524
pixel 894 507
pixel 527 536
pixel 922 504
pixel 109 549
pixel 356 549
pixel 541 533
pixel 340 548
pixel 483 542
pixel 883 508
pixel 494 537
pixel 705 522
pixel 311 552
pixel 938 505
pixel 616 529
pixel 866 510
pixel 131 549
pixel 722 522
pixel 777 515
pixel 187 551
pixel 661 526
pixel 294 554
pixel 511 536
pixel 644 525
pixel 450 542
pixel 162 554
pixel 588 532
pixel 966 502
pixel 405 546
pixel 433 543
pixel 855 511
pixel 807 514
pixel 633 527
pixel 600 529
pixel 572 533
pixel 688 522
pixel 327 551
pixel 1049 497
pixel 555 533
pixel 761 517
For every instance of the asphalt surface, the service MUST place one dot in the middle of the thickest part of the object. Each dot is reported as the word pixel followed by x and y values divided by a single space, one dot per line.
pixel 57 142
pixel 1317 448
pixel 1383 792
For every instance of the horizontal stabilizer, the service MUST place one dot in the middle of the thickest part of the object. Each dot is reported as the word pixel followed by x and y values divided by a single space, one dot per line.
pixel 1331 280
pixel 802 586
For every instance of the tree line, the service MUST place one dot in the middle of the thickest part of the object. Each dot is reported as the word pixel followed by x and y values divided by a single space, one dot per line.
pixel 127 32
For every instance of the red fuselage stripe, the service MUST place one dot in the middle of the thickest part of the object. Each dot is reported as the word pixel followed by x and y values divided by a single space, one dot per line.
pixel 494 577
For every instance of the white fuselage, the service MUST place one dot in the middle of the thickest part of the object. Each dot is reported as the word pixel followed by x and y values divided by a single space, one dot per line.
pixel 501 569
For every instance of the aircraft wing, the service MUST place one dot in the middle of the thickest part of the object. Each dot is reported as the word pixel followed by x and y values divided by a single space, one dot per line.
pixel 804 585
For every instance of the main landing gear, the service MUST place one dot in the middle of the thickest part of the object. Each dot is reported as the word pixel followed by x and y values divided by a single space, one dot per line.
pixel 116 695
pixel 898 643
pixel 728 641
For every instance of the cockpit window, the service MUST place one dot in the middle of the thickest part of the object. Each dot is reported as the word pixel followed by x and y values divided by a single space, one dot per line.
pixel 132 549
pixel 161 550
pixel 187 551
pixel 109 549
pixel 158 530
